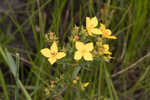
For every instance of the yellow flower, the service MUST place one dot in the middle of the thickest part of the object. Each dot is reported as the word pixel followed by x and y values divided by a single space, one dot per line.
pixel 106 33
pixel 74 81
pixel 104 50
pixel 83 85
pixel 91 24
pixel 52 54
pixel 83 50
pixel 52 85
pixel 47 91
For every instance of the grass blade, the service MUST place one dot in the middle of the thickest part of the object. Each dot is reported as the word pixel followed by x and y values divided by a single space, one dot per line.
pixel 3 84
pixel 13 67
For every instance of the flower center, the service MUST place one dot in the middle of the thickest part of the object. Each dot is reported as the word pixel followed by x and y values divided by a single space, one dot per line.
pixel 83 51
pixel 53 54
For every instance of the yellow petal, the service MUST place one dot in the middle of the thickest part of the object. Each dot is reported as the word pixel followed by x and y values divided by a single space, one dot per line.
pixel 54 47
pixel 88 56
pixel 108 32
pixel 77 55
pixel 106 47
pixel 102 27
pixel 79 45
pixel 60 55
pixel 94 21
pixel 107 52
pixel 46 52
pixel 87 22
pixel 89 46
pixel 52 60
pixel 89 32
pixel 85 84
pixel 96 31
pixel 111 37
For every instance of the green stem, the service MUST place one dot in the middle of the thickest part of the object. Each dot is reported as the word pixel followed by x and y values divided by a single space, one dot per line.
pixel 112 91
pixel 3 85
pixel 24 90
pixel 100 83
pixel 17 76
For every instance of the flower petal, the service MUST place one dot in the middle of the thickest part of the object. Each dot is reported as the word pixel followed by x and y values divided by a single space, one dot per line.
pixel 106 47
pixel 111 37
pixel 91 22
pixel 85 84
pixel 79 45
pixel 94 22
pixel 87 22
pixel 89 46
pixel 107 52
pixel 46 52
pixel 89 31
pixel 88 56
pixel 102 27
pixel 77 55
pixel 96 31
pixel 60 55
pixel 108 32
pixel 52 60
pixel 54 47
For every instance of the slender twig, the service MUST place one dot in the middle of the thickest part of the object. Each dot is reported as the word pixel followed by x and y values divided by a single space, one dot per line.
pixel 131 66
pixel 26 87
pixel 22 59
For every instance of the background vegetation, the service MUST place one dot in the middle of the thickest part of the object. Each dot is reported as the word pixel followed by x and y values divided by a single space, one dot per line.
pixel 23 25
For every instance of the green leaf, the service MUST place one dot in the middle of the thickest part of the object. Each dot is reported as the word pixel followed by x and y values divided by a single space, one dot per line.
pixel 11 63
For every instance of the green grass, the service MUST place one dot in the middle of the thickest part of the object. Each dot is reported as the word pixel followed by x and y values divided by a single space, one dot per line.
pixel 22 31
